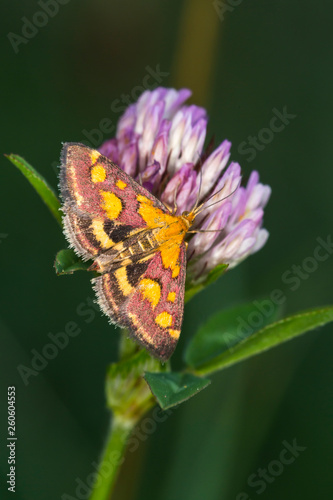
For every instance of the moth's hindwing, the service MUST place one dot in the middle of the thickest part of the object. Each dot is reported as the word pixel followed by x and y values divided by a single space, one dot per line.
pixel 146 299
pixel 111 219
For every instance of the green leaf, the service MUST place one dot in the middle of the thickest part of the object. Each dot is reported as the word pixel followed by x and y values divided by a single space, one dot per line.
pixel 39 183
pixel 227 328
pixel 171 389
pixel 213 275
pixel 67 262
pixel 269 337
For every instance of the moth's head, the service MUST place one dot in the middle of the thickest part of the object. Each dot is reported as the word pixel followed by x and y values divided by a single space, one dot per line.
pixel 188 217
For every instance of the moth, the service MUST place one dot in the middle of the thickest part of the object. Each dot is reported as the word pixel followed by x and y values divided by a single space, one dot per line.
pixel 137 245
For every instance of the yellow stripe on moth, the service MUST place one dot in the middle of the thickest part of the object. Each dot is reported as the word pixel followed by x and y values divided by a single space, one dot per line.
pixel 80 236
pixel 170 235
pixel 108 292
pixel 121 276
pixel 164 319
pixel 121 184
pixel 94 155
pixel 151 290
pixel 98 174
pixel 171 296
pixel 174 334
pixel 112 204
pixel 72 174
pixel 101 236
pixel 141 331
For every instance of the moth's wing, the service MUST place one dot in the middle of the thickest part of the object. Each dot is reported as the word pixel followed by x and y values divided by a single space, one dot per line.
pixel 102 207
pixel 146 299
pixel 100 201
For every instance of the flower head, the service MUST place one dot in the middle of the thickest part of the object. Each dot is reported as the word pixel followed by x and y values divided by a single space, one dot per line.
pixel 159 142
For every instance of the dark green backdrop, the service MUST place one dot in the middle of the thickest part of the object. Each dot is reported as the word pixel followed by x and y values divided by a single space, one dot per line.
pixel 262 55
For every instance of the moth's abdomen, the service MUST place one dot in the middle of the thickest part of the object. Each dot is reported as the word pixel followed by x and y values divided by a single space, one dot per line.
pixel 146 243
pixel 134 249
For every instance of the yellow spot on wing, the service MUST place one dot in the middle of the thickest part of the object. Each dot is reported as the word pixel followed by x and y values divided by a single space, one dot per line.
pixel 112 204
pixel 121 184
pixel 98 174
pixel 175 271
pixel 171 296
pixel 100 235
pixel 123 283
pixel 144 199
pixel 164 319
pixel 94 155
pixel 174 333
pixel 151 290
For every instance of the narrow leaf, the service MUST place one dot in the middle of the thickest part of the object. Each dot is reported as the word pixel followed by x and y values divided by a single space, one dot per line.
pixel 67 262
pixel 39 183
pixel 269 337
pixel 227 328
pixel 171 389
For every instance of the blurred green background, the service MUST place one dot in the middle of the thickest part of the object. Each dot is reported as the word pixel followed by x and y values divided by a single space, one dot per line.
pixel 242 59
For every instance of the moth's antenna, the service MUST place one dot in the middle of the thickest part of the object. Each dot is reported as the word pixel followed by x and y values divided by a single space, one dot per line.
pixel 200 184
pixel 202 207
pixel 175 200
pixel 206 230
pixel 140 178
pixel 199 193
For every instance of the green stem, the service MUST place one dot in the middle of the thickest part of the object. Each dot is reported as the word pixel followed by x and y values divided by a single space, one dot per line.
pixel 112 458
pixel 129 398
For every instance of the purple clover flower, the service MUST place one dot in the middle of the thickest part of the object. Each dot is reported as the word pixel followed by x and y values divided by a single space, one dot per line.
pixel 159 142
